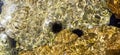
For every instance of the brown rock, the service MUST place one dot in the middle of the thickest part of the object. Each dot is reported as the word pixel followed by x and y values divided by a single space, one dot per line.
pixel 65 36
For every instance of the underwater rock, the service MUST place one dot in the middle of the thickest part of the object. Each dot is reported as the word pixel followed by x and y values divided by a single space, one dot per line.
pixel 114 21
pixel 100 44
pixel 77 32
pixel 6 45
pixel 65 36
pixel 1 4
pixel 56 27
pixel 28 23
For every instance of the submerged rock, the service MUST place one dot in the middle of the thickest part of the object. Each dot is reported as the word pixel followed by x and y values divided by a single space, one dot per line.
pixel 100 44
pixel 28 23
pixel 1 4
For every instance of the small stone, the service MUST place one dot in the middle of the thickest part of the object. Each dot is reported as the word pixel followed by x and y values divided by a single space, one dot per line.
pixel 78 32
pixel 2 29
pixel 56 27
pixel 12 42
pixel 97 16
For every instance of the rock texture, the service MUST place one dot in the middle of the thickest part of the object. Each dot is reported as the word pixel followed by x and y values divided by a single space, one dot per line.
pixel 28 22
pixel 96 41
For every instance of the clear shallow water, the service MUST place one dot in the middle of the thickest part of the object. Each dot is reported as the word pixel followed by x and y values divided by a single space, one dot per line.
pixel 30 21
